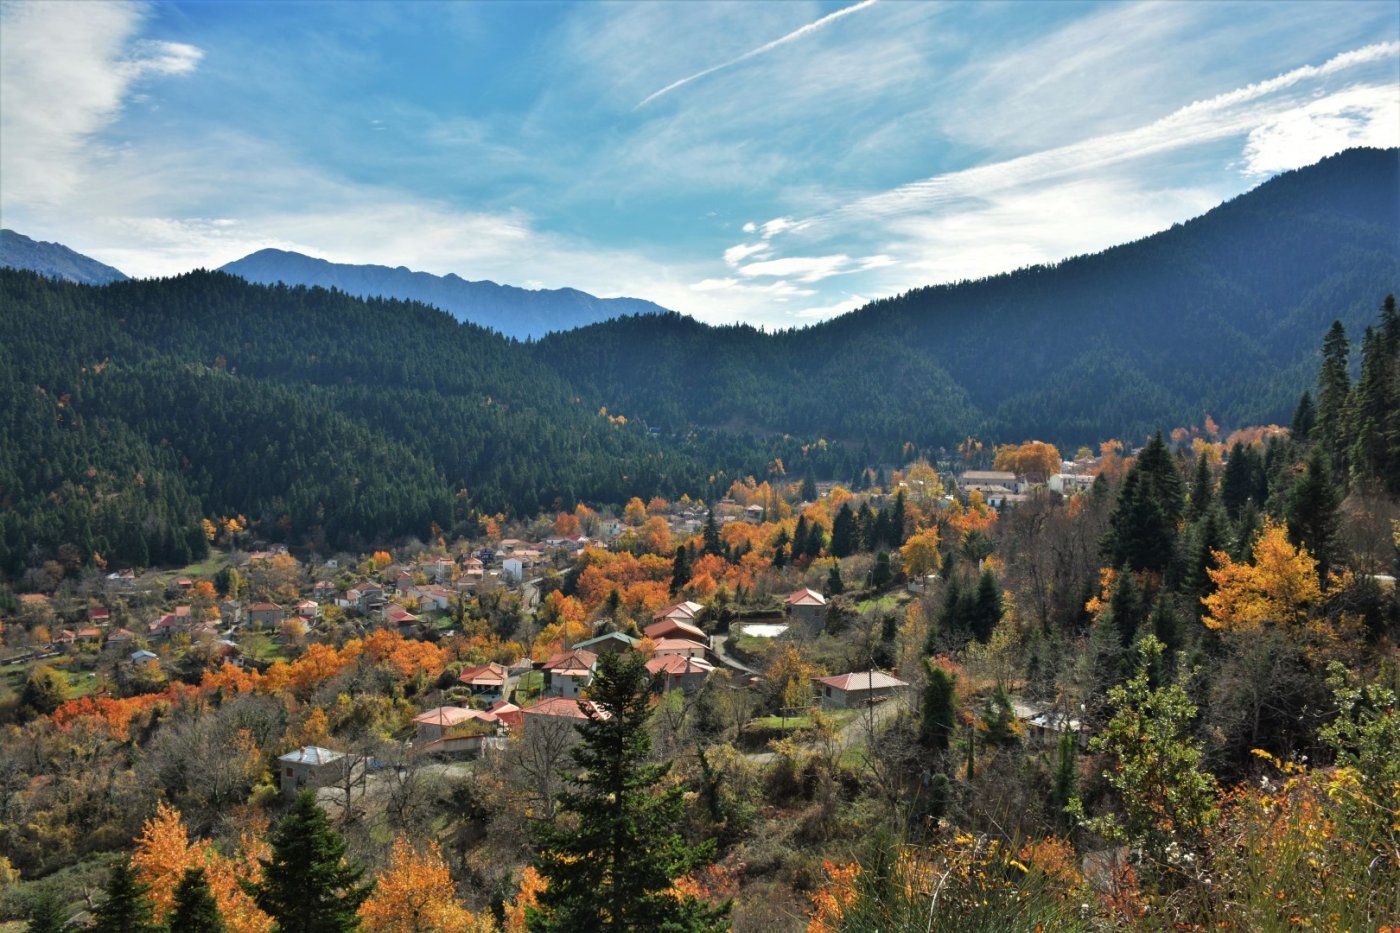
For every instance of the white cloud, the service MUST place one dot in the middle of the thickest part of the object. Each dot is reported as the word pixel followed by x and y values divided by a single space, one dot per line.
pixel 1362 116
pixel 762 49
pixel 65 71
pixel 738 253
pixel 822 312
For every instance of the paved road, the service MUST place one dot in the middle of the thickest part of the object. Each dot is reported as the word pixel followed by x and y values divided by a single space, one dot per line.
pixel 717 648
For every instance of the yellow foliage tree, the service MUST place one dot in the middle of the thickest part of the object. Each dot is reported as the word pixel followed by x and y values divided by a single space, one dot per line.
pixel 415 894
pixel 634 512
pixel 1279 587
pixel 1036 460
pixel 920 553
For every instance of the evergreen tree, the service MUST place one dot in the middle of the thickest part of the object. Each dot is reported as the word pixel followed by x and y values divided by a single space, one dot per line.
pixel 800 536
pixel 711 535
pixel 1376 399
pixel 809 486
pixel 999 721
pixel 844 534
pixel 897 519
pixel 1209 534
pixel 1125 608
pixel 1243 481
pixel 195 910
pixel 834 584
pixel 1334 394
pixel 781 547
pixel 1064 786
pixel 816 540
pixel 46 913
pixel 865 528
pixel 126 909
pixel 1202 491
pixel 939 709
pixel 1304 419
pixel 1246 530
pixel 880 575
pixel 307 885
pixel 680 570
pixel 614 870
pixel 1143 527
pixel 986 607
pixel 1312 510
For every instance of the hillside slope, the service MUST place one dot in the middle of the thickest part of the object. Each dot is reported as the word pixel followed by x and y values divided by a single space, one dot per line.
pixel 1221 315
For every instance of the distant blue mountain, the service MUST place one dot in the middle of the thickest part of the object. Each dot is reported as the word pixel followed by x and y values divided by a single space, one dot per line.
pixel 54 260
pixel 515 312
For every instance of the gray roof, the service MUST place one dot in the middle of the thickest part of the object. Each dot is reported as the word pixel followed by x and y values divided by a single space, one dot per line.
pixel 627 640
pixel 311 755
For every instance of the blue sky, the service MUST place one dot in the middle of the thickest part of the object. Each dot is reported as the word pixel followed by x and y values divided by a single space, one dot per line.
pixel 769 162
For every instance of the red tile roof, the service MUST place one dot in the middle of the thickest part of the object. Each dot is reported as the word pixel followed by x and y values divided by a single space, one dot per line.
pixel 675 628
pixel 564 708
pixel 806 597
pixel 862 680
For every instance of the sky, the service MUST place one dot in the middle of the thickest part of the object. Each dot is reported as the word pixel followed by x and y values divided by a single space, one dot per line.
pixel 774 163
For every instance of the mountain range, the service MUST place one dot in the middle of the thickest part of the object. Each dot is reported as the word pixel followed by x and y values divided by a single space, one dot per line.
pixel 55 260
pixel 131 410
pixel 515 312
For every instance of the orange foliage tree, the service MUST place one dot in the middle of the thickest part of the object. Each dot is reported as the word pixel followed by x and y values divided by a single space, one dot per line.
pixel 415 894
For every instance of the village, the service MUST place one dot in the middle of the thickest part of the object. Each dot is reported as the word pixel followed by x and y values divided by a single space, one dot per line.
pixel 128 632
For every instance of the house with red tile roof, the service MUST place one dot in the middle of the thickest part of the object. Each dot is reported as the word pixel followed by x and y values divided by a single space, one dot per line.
pixel 807 607
pixel 677 672
pixel 675 628
pixel 683 647
pixel 567 673
pixel 489 682
pixel 857 689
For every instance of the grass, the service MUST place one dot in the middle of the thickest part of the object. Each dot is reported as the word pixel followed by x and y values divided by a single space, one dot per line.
pixel 886 603
pixel 211 565
pixel 840 717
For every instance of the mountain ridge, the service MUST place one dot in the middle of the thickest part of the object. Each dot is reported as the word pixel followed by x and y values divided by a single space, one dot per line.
pixel 55 260
pixel 513 311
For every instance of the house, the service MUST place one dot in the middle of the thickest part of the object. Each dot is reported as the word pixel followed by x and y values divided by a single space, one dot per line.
pixel 323 589
pixel 987 481
pixel 434 598
pixel 688 611
pixel 64 638
pixel 440 570
pixel 99 615
pixel 513 569
pixel 857 689
pixel 308 609
pixel 674 628
pixel 261 614
pixel 510 716
pixel 398 615
pixel 453 730
pixel 119 637
pixel 489 682
pixel 142 656
pixel 754 515
pixel 1068 484
pixel 89 635
pixel 807 607
pixel 311 766
pixel 677 672
pixel 680 647
pixel 231 612
pixel 403 581
pixel 183 584
pixel 367 597
pixel 554 711
pixel 567 673
pixel 609 643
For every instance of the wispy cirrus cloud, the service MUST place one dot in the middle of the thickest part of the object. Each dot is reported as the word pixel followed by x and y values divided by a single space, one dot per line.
pixel 761 50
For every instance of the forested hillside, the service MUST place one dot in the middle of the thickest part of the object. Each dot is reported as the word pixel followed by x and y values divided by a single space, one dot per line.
pixel 128 413
pixel 1217 315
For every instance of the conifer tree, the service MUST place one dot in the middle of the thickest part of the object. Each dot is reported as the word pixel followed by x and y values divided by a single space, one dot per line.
pixel 897 519
pixel 834 584
pixel 1202 491
pixel 1304 418
pixel 799 538
pixel 711 535
pixel 1334 394
pixel 986 607
pixel 614 870
pixel 195 910
pixel 307 885
pixel 680 570
pixel 844 533
pixel 809 486
pixel 939 709
pixel 1312 511
pixel 46 913
pixel 1143 526
pixel 126 909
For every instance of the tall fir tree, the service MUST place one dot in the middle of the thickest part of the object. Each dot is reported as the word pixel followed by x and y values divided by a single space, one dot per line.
pixel 835 586
pixel 986 607
pixel 126 909
pixel 307 885
pixel 614 869
pixel 897 520
pixel 1312 512
pixel 1334 395
pixel 1202 490
pixel 1304 419
pixel 844 533
pixel 711 535
pixel 680 570
pixel 939 710
pixel 809 486
pixel 195 910
pixel 46 913
pixel 1143 526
